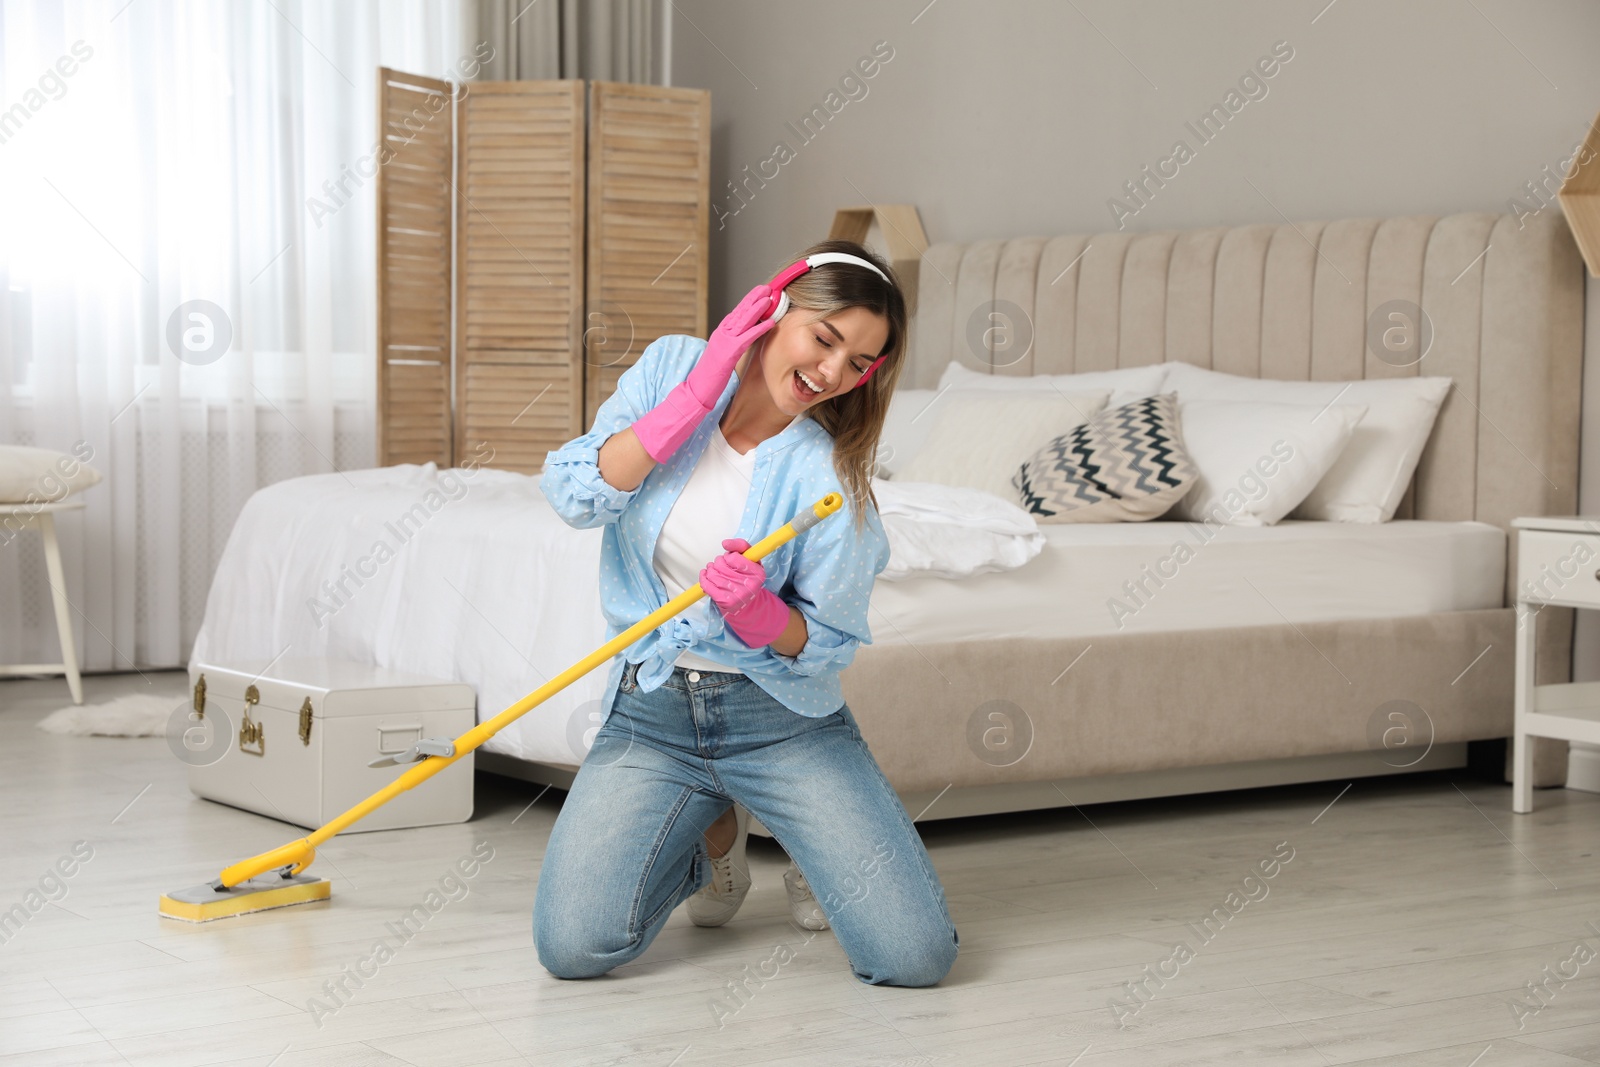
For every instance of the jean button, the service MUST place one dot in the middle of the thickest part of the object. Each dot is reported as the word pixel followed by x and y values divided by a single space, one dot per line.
pixel 694 676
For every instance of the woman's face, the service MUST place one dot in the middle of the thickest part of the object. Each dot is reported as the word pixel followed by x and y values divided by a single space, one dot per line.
pixel 833 353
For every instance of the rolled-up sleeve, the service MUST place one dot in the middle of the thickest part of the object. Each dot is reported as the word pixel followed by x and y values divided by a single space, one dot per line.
pixel 832 581
pixel 571 480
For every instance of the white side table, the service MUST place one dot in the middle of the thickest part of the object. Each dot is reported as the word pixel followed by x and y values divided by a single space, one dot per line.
pixel 1558 565
pixel 42 518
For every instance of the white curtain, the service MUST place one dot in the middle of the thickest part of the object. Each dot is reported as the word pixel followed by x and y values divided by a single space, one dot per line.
pixel 155 154
pixel 606 40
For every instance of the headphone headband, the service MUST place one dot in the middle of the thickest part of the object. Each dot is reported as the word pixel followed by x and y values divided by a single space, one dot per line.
pixel 781 283
pixel 822 258
pixel 794 270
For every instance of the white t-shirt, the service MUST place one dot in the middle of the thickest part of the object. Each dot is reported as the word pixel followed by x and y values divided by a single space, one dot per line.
pixel 708 510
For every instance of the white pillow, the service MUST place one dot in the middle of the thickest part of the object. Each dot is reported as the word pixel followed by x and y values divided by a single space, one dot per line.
pixel 1369 479
pixel 41 475
pixel 1257 461
pixel 979 438
pixel 905 429
pixel 1126 384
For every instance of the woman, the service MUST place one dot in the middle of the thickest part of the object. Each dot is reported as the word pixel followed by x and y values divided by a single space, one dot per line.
pixel 738 699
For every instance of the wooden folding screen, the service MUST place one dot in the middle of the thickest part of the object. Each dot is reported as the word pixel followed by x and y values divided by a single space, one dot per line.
pixel 576 243
pixel 519 283
pixel 649 156
pixel 414 239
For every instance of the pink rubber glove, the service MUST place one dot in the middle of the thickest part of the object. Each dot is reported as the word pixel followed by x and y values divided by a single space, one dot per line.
pixel 734 582
pixel 664 428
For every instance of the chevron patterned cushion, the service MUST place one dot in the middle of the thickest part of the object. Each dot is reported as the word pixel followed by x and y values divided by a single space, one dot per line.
pixel 1126 464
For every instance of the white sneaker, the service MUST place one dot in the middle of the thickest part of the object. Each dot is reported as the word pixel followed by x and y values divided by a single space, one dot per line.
pixel 717 901
pixel 803 906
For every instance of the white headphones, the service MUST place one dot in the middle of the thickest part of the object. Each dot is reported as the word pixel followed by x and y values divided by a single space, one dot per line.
pixel 790 273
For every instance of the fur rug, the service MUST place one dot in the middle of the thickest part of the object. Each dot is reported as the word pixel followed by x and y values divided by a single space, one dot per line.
pixel 133 715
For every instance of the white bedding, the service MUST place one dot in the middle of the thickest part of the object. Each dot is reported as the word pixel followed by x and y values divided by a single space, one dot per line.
pixel 950 531
pixel 491 588
pixel 487 585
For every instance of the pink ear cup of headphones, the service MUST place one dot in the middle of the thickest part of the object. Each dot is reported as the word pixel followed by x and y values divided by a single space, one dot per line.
pixel 781 282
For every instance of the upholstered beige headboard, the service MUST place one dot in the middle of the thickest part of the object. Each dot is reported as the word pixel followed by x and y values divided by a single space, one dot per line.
pixel 1271 301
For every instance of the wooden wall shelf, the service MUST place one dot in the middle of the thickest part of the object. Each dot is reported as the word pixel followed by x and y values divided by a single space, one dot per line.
pixel 901 227
pixel 1580 198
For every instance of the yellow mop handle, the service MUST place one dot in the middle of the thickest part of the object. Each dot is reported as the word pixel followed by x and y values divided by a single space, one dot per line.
pixel 299 854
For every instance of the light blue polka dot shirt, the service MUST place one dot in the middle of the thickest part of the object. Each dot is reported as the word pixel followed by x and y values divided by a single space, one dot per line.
pixel 827 572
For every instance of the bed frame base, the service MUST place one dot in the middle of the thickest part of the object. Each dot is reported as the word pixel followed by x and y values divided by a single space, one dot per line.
pixel 958 802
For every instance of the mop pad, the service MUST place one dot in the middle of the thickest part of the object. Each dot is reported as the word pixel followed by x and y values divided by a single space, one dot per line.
pixel 132 715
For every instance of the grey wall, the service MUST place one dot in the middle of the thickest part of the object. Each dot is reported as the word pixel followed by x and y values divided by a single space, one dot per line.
pixel 1004 118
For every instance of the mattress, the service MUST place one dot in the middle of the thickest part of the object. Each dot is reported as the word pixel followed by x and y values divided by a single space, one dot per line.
pixel 1108 578
pixel 476 579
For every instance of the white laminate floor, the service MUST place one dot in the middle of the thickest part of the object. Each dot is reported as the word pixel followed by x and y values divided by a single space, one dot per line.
pixel 1403 931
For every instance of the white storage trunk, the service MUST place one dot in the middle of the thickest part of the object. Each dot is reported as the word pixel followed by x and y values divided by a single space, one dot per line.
pixel 298 737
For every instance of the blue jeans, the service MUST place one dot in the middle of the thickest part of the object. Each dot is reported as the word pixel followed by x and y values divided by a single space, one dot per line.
pixel 629 845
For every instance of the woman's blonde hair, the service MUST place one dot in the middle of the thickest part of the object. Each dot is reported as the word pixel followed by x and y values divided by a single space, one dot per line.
pixel 855 417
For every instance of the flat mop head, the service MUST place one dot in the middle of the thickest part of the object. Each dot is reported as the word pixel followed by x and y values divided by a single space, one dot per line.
pixel 213 900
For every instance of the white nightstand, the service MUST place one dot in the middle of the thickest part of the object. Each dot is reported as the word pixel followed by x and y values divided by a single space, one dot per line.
pixel 1558 565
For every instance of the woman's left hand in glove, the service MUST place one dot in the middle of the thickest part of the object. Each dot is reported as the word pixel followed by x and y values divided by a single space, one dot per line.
pixel 736 584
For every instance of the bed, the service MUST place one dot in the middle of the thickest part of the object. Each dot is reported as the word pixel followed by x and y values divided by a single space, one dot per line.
pixel 1255 703
pixel 1271 656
